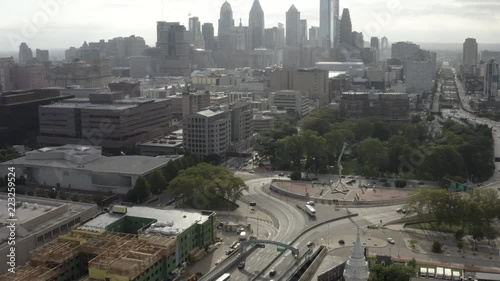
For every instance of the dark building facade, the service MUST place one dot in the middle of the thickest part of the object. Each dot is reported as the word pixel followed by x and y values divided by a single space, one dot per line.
pixel 384 106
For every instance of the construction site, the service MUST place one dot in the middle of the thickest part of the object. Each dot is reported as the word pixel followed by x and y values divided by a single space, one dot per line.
pixel 99 254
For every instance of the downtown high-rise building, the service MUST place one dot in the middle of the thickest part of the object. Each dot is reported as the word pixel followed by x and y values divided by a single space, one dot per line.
pixel 42 55
pixel 226 20
pixel 303 31
pixel 346 28
pixel 207 30
pixel 195 35
pixel 25 53
pixel 256 25
pixel 491 80
pixel 329 23
pixel 470 52
pixel 314 36
pixel 174 49
pixel 293 30
pixel 375 45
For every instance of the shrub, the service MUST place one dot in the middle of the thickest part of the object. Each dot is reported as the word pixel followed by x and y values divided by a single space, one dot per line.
pixel 75 198
pixel 297 175
pixel 437 247
pixel 341 242
pixel 413 242
pixel 30 193
pixel 400 183
pixel 460 245
pixel 459 234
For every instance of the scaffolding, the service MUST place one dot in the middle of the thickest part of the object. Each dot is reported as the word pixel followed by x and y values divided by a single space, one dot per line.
pixel 112 254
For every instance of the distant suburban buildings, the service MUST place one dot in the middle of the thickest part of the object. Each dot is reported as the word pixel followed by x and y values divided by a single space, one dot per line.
pixel 105 119
pixel 384 106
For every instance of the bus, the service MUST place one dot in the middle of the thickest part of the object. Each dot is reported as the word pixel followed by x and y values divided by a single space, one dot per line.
pixel 310 211
pixel 224 277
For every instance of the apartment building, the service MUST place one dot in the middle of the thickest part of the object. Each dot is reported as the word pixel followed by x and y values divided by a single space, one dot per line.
pixel 291 100
pixel 384 106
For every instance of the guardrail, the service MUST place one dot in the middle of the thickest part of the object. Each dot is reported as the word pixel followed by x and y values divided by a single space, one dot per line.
pixel 298 237
pixel 227 263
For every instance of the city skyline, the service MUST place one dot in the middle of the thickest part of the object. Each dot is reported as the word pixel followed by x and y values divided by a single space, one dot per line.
pixel 396 19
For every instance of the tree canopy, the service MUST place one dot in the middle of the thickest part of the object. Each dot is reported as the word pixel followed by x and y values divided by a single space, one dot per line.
pixel 207 181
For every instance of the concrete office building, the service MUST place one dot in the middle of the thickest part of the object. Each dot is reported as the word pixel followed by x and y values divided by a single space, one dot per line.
pixel 193 102
pixel 83 168
pixel 241 124
pixel 293 27
pixel 384 106
pixel 129 243
pixel 25 54
pixel 105 119
pixel 19 112
pixel 39 221
pixel 131 89
pixel 313 81
pixel 6 75
pixel 262 123
pixel 140 66
pixel 207 132
pixel 470 52
pixel 419 76
pixel 405 51
pixel 491 80
pixel 90 74
pixel 291 100
pixel 42 55
pixel 172 144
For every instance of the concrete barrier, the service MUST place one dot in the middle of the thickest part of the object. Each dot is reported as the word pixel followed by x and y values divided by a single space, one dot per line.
pixel 298 237
pixel 309 273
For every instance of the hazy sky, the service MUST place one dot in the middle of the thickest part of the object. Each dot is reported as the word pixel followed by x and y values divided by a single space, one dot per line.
pixel 51 24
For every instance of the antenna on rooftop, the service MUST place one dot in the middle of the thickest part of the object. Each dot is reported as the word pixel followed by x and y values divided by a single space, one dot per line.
pixel 162 14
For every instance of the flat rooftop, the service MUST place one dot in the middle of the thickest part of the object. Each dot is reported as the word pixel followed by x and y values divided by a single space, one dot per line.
pixel 178 219
pixel 30 209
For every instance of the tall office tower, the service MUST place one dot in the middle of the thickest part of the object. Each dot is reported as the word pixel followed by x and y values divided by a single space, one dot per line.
pixel 173 43
pixel 346 28
pixel 491 80
pixel 256 25
pixel 42 55
pixel 303 32
pixel 329 23
pixel 375 44
pixel 195 35
pixel 25 53
pixel 226 20
pixel 470 52
pixel 293 27
pixel 384 43
pixel 358 40
pixel 208 35
pixel 281 35
pixel 314 36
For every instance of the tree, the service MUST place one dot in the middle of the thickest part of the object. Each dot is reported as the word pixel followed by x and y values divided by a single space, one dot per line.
pixel 213 159
pixel 320 126
pixel 437 247
pixel 400 183
pixel 459 234
pixel 131 196
pixel 63 195
pixel 394 272
pixel 142 188
pixel 372 156
pixel 430 118
pixel 52 193
pixel 75 198
pixel 296 175
pixel 157 182
pixel 205 181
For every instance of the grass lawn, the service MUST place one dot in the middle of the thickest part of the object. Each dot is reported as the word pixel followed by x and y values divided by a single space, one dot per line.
pixel 435 227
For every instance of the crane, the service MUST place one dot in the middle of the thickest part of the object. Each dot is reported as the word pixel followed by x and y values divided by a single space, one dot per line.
pixel 344 188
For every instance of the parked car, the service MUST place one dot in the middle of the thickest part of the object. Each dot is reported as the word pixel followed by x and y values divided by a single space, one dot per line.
pixel 241 265
pixel 272 272
pixel 310 244
pixel 311 203
pixel 391 241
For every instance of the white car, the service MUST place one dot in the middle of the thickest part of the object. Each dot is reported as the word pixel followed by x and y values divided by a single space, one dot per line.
pixel 391 241
pixel 251 171
pixel 310 203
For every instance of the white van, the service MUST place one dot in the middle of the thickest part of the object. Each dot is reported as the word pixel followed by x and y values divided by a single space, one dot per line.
pixel 456 275
pixel 440 272
pixel 431 272
pixel 447 274
pixel 423 272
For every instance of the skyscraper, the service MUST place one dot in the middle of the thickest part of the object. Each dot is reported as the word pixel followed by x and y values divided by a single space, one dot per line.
pixel 208 35
pixel 174 49
pixel 226 20
pixel 42 55
pixel 196 37
pixel 314 36
pixel 491 80
pixel 375 44
pixel 293 37
pixel 328 23
pixel 346 28
pixel 384 43
pixel 256 25
pixel 25 53
pixel 303 32
pixel 470 52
